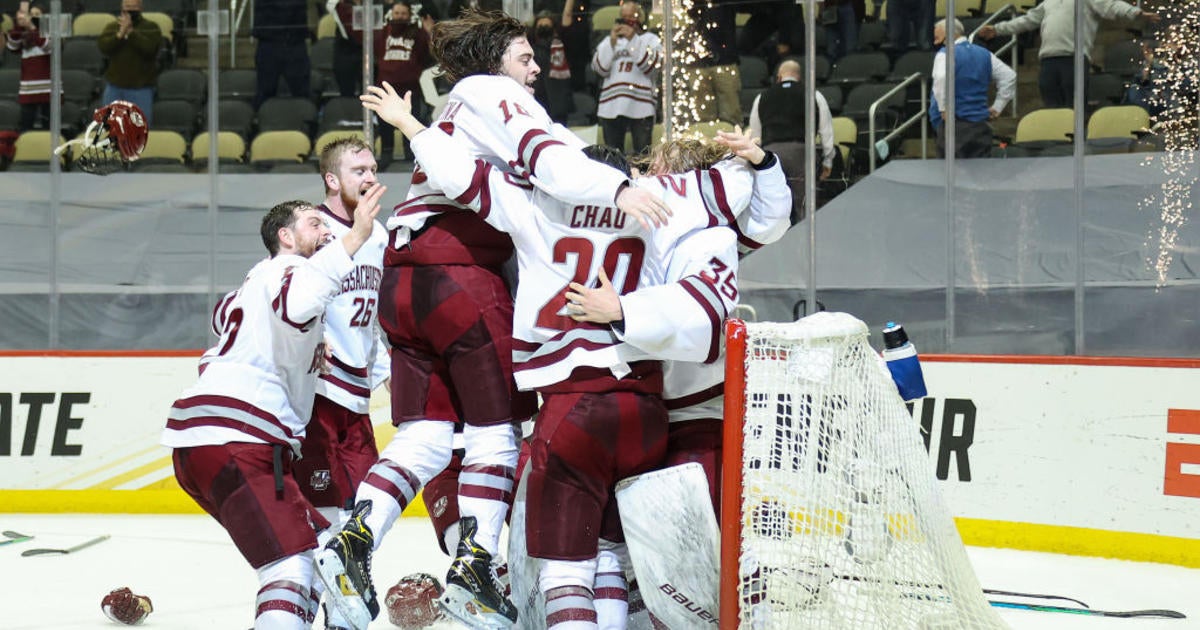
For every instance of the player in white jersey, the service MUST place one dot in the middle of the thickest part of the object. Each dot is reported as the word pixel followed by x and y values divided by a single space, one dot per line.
pixel 237 431
pixel 693 391
pixel 446 306
pixel 340 444
pixel 593 382
pixel 626 61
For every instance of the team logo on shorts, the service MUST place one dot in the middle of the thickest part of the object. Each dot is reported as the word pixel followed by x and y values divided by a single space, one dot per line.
pixel 320 480
pixel 439 507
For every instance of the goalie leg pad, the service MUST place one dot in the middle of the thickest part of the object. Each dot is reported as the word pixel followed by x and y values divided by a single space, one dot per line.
pixel 674 543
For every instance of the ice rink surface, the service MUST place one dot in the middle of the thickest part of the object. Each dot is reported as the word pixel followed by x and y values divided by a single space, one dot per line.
pixel 197 580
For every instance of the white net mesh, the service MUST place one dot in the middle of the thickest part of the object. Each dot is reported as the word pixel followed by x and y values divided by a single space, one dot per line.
pixel 843 524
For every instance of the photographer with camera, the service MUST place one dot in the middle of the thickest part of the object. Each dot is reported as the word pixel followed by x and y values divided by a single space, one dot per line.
pixel 625 61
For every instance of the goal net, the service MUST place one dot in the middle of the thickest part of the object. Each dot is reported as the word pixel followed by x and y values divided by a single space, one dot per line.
pixel 840 523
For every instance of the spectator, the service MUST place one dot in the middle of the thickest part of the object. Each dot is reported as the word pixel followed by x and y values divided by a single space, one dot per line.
pixel 625 61
pixel 402 48
pixel 715 76
pixel 774 30
pixel 575 31
pixel 778 117
pixel 975 68
pixel 131 45
pixel 347 46
pixel 34 48
pixel 841 19
pixel 553 88
pixel 910 22
pixel 1163 87
pixel 281 30
pixel 1056 21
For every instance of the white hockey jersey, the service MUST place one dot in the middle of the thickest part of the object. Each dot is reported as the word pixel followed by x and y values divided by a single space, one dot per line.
pixel 695 390
pixel 558 243
pixel 257 384
pixel 360 361
pixel 500 122
pixel 627 67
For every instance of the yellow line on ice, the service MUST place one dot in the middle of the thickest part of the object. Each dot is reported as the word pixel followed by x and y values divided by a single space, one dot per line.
pixel 108 466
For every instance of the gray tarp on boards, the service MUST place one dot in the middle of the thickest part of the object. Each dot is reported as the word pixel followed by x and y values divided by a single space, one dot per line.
pixel 881 254
pixel 133 253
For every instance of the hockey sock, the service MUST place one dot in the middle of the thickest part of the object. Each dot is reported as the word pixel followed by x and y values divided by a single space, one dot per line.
pixel 485 485
pixel 611 594
pixel 284 594
pixel 568 588
pixel 418 451
pixel 570 608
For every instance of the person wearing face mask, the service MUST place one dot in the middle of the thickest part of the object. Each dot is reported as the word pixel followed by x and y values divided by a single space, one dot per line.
pixel 131 46
pixel 402 51
pixel 553 89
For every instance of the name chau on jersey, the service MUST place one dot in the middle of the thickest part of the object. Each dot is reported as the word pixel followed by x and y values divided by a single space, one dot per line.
pixel 363 278
pixel 597 217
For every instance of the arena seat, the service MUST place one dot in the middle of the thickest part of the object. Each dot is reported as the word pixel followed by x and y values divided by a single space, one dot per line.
pixel 91 24
pixel 279 146
pixel 231 147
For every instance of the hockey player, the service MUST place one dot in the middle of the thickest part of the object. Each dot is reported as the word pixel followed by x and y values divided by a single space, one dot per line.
pixel 339 446
pixel 602 418
pixel 693 391
pixel 447 310
pixel 237 431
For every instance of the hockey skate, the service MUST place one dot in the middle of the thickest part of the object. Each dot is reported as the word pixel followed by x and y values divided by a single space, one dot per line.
pixel 344 565
pixel 474 593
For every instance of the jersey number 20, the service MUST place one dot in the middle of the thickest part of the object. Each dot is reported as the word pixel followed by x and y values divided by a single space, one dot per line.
pixel 633 248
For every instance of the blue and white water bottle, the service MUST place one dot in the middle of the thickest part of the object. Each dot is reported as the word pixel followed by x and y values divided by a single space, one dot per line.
pixel 901 357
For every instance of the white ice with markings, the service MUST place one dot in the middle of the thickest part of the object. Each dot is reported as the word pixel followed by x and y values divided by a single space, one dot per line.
pixel 197 580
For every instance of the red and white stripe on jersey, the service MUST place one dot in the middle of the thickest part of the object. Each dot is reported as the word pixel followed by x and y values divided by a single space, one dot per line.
pixel 486 481
pixel 538 364
pixel 395 480
pixel 693 391
pixel 479 189
pixel 356 381
pixel 567 606
pixel 707 295
pixel 632 91
pixel 220 314
pixel 206 413
pixel 530 148
pixel 284 596
pixel 280 303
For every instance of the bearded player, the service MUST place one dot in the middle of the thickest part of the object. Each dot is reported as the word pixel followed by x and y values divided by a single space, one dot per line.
pixel 339 447
pixel 447 310
pixel 602 417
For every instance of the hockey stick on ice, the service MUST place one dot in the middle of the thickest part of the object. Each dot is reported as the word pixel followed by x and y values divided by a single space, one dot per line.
pixel 83 545
pixel 14 537
pixel 1158 612
pixel 988 591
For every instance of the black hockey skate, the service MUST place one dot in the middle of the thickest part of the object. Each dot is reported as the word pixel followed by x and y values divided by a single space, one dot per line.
pixel 344 565
pixel 474 593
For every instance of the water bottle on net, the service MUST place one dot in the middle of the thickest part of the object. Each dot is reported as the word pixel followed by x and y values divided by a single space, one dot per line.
pixel 901 357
